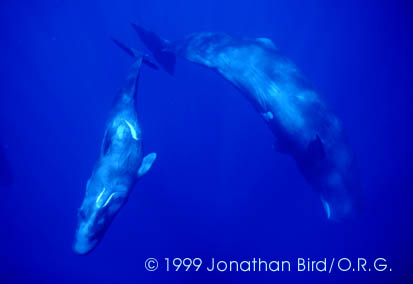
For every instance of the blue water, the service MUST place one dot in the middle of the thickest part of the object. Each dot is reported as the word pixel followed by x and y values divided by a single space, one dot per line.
pixel 217 188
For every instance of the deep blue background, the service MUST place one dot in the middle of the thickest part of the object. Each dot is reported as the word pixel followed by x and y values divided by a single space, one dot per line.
pixel 217 188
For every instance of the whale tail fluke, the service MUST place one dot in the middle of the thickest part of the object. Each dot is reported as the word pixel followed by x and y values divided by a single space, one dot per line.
pixel 135 53
pixel 159 48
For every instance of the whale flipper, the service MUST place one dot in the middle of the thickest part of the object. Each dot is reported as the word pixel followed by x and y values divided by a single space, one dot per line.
pixel 146 164
pixel 159 48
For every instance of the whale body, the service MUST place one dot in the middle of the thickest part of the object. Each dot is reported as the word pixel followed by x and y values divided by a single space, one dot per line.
pixel 303 126
pixel 121 163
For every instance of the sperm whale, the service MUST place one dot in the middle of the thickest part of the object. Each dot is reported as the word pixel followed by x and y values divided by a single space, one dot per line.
pixel 120 165
pixel 302 124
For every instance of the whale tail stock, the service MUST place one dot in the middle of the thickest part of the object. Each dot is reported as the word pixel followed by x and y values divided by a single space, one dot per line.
pixel 159 48
pixel 129 88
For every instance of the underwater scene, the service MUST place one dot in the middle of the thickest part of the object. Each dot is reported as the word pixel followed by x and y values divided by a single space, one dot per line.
pixel 206 141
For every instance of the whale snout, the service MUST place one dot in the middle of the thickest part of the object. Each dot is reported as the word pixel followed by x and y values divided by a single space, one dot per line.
pixel 94 218
pixel 89 232
pixel 340 198
pixel 83 244
pixel 87 235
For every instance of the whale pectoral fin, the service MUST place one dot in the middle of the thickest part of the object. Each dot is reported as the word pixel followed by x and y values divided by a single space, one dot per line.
pixel 146 164
pixel 316 149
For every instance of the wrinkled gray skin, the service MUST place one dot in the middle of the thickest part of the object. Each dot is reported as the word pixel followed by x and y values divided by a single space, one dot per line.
pixel 118 168
pixel 301 123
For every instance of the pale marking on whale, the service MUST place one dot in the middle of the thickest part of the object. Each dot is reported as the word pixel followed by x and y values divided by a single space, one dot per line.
pixel 327 208
pixel 109 199
pixel 132 130
pixel 99 197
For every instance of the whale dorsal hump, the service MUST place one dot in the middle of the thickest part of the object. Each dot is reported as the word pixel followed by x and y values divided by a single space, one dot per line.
pixel 266 42
pixel 146 164
pixel 316 149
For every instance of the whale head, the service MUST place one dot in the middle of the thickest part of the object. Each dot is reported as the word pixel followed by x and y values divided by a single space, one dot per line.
pixel 332 170
pixel 100 206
